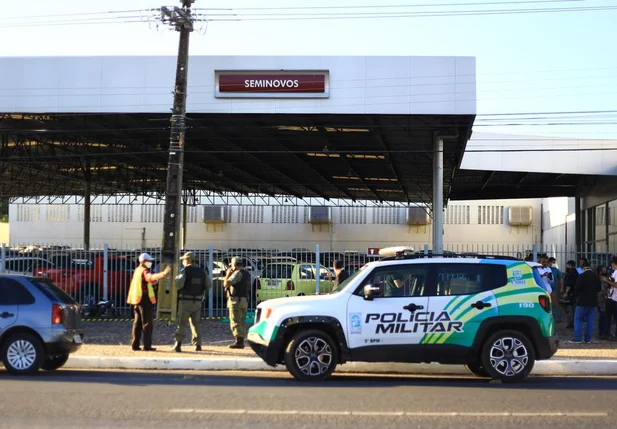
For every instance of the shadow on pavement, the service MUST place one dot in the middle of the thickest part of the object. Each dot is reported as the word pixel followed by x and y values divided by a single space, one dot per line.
pixel 253 379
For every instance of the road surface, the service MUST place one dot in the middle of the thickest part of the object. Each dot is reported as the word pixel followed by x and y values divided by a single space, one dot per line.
pixel 123 399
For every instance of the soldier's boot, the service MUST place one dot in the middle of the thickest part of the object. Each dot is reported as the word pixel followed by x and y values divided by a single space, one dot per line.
pixel 177 347
pixel 239 344
pixel 198 348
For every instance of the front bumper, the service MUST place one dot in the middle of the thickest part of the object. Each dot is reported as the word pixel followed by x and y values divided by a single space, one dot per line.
pixel 547 347
pixel 64 341
pixel 264 349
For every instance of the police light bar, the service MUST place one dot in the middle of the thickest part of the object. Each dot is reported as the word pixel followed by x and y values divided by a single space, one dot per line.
pixel 397 251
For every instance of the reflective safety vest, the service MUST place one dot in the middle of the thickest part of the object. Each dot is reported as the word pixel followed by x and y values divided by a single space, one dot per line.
pixel 135 292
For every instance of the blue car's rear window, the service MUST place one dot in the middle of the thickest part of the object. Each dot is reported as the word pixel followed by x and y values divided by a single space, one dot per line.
pixel 52 291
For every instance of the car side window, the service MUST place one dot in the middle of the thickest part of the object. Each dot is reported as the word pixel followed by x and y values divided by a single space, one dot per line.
pixel 469 279
pixel 307 272
pixel 14 293
pixel 398 281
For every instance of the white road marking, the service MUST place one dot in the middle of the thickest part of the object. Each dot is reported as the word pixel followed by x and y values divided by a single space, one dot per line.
pixel 387 413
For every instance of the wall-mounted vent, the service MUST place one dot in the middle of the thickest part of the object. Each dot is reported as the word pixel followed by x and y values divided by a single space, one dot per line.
pixel 96 213
pixel 28 213
pixel 457 215
pixel 387 215
pixel 320 215
pixel 58 213
pixel 490 215
pixel 151 213
pixel 251 214
pixel 215 214
pixel 352 215
pixel 284 214
pixel 417 216
pixel 520 216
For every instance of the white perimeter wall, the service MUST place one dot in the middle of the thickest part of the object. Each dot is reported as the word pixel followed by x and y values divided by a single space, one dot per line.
pixel 379 85
pixel 477 223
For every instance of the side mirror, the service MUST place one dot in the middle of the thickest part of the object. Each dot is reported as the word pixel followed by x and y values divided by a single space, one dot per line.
pixel 371 292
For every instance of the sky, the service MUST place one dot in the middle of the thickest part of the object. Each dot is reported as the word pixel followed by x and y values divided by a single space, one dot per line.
pixel 553 62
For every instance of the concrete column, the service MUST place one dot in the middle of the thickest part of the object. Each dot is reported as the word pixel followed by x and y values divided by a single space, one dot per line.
pixel 438 196
pixel 578 227
pixel 87 204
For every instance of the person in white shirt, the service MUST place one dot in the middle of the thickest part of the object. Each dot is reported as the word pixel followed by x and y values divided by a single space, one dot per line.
pixel 546 274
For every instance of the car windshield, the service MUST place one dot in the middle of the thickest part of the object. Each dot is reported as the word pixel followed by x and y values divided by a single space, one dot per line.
pixel 346 282
pixel 52 291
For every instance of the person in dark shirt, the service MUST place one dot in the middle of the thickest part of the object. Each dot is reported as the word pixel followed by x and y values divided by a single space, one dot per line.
pixel 569 296
pixel 341 274
pixel 588 286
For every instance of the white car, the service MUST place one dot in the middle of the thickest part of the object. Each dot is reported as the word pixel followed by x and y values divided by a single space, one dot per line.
pixel 490 315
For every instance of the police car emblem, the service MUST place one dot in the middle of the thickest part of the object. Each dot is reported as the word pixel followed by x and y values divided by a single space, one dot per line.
pixel 355 322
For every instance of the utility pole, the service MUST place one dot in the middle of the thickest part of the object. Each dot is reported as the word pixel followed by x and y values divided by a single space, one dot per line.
pixel 181 19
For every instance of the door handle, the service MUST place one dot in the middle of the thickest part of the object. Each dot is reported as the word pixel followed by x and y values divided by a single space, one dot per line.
pixel 6 315
pixel 481 305
pixel 413 307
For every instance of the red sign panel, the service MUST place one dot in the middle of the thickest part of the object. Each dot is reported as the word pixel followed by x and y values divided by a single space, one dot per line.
pixel 271 84
pixel 373 251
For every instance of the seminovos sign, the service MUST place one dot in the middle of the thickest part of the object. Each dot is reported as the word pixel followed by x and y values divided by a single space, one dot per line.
pixel 264 84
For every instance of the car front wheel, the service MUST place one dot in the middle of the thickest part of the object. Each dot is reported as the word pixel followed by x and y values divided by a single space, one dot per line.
pixel 22 354
pixel 52 363
pixel 508 356
pixel 311 356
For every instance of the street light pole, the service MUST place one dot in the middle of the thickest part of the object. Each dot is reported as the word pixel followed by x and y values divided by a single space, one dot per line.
pixel 181 19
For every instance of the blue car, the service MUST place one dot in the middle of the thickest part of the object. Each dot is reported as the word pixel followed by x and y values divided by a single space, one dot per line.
pixel 39 325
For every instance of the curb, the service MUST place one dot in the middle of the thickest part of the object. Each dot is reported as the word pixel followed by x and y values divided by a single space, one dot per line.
pixel 549 367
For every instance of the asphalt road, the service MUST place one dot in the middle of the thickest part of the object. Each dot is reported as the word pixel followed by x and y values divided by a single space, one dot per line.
pixel 122 399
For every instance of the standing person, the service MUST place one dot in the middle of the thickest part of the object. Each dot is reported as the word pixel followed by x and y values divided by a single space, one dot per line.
pixel 604 322
pixel 141 296
pixel 546 274
pixel 192 283
pixel 557 287
pixel 588 286
pixel 237 284
pixel 581 263
pixel 340 273
pixel 569 292
pixel 611 302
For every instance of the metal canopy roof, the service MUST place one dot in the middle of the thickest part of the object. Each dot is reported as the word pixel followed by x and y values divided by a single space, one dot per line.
pixel 354 157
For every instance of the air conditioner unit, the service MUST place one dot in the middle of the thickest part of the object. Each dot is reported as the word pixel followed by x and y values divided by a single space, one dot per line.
pixel 417 216
pixel 320 215
pixel 520 216
pixel 215 214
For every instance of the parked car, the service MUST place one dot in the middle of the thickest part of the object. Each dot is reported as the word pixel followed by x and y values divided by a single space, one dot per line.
pixel 291 279
pixel 26 265
pixel 82 276
pixel 39 324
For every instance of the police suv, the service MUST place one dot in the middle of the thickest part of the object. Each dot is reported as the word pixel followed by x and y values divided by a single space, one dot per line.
pixel 490 315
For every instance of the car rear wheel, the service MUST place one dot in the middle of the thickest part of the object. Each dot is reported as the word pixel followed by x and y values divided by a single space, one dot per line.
pixel 311 356
pixel 477 370
pixel 508 356
pixel 52 363
pixel 22 354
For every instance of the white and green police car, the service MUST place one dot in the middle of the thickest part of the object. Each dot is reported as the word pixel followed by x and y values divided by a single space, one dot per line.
pixel 490 315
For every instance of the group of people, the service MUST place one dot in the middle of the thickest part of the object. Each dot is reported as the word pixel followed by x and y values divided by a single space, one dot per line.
pixel 192 284
pixel 582 292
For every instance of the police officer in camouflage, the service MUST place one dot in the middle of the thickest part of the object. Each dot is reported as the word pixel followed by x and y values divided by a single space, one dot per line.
pixel 192 284
pixel 237 285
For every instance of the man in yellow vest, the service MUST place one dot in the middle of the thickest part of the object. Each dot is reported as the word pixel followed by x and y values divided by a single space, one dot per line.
pixel 141 296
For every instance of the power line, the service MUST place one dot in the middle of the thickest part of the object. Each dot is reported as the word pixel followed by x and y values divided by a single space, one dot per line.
pixel 486 3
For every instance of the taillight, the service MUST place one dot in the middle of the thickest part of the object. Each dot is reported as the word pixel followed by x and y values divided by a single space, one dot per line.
pixel 290 285
pixel 57 315
pixel 258 284
pixel 545 302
